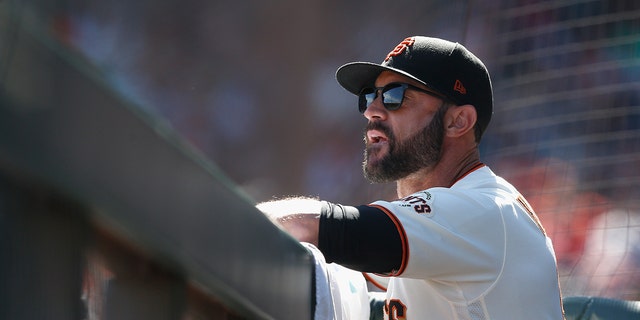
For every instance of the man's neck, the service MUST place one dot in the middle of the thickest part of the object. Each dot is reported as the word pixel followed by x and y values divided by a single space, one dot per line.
pixel 444 174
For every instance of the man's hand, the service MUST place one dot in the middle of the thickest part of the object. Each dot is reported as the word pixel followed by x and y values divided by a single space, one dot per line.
pixel 298 216
pixel 303 227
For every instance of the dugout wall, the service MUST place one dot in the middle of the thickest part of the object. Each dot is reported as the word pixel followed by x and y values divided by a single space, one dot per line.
pixel 106 214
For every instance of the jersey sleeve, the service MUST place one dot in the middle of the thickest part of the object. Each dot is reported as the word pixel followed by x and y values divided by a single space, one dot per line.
pixel 449 234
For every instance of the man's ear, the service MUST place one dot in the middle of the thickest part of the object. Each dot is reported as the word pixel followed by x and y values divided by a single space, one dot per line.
pixel 462 119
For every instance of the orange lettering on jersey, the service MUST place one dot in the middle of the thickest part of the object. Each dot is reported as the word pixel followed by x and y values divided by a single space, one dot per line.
pixel 399 49
pixel 459 87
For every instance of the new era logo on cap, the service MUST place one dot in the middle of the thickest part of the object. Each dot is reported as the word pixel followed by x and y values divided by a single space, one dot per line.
pixel 459 87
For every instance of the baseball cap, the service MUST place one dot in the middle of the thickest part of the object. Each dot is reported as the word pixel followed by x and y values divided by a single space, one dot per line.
pixel 443 66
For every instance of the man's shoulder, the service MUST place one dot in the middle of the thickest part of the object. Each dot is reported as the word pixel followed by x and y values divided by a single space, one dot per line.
pixel 479 188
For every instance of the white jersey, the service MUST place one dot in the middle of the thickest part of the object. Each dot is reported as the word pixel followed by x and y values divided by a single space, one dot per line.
pixel 472 251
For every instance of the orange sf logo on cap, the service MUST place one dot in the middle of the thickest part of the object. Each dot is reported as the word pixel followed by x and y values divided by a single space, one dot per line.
pixel 399 49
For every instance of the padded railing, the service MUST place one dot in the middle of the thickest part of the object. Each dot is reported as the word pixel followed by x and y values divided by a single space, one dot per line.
pixel 106 214
pixel 600 308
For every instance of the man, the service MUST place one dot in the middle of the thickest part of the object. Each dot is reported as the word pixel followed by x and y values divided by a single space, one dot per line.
pixel 460 242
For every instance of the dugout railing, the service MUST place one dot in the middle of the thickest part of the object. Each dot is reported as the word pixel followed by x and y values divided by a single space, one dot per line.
pixel 106 214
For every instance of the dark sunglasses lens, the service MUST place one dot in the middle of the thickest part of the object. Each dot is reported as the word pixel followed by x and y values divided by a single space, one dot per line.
pixel 366 97
pixel 392 96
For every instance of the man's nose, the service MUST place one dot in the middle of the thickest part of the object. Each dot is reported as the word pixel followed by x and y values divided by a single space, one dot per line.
pixel 376 110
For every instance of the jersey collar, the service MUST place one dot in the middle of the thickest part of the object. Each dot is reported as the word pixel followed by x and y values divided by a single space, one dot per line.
pixel 474 168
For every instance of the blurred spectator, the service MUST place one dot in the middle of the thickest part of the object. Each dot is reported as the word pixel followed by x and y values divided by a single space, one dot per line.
pixel 610 265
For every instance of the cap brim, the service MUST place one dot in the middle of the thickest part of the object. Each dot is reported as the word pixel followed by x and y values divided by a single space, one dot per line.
pixel 355 76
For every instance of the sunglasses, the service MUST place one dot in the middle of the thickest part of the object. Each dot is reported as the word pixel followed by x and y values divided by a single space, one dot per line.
pixel 392 95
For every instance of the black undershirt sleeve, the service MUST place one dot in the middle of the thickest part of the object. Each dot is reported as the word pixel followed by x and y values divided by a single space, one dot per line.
pixel 362 238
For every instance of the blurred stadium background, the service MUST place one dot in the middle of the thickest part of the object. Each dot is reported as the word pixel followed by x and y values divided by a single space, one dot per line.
pixel 250 85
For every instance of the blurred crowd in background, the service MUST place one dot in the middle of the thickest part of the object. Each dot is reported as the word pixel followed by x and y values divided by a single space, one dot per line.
pixel 250 85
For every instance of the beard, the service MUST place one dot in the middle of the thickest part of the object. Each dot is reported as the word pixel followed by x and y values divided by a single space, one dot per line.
pixel 405 157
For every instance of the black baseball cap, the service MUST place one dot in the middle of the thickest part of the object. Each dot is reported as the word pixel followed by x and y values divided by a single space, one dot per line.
pixel 443 66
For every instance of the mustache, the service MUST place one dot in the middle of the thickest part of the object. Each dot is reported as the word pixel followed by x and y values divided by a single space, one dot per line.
pixel 376 125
